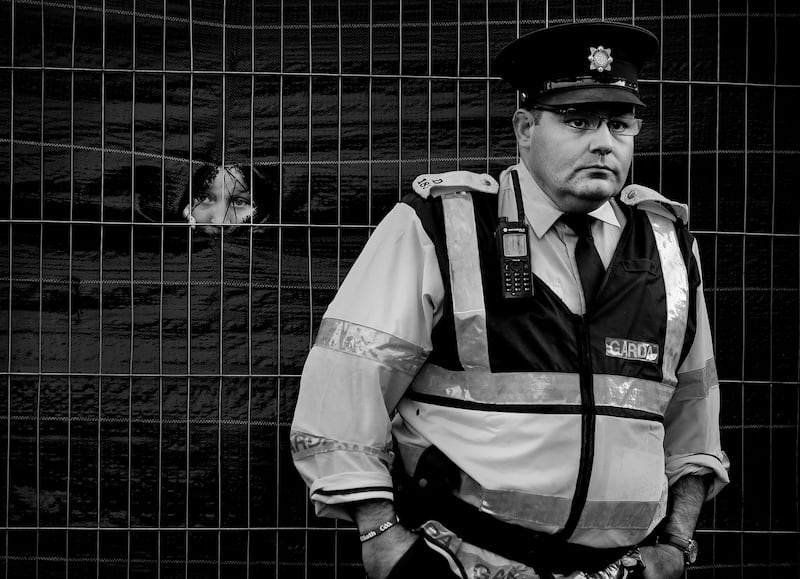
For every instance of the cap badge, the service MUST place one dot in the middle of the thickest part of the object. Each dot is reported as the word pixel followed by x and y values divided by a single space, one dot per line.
pixel 600 59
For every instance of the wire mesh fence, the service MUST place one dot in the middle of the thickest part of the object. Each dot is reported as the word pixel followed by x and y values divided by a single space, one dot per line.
pixel 151 343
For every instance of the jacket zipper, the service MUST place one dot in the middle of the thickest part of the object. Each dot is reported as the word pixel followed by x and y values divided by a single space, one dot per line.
pixel 588 420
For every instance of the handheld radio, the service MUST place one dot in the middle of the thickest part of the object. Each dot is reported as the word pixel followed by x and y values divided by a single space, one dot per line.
pixel 513 252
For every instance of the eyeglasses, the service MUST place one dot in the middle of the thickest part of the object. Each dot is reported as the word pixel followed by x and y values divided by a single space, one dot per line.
pixel 590 121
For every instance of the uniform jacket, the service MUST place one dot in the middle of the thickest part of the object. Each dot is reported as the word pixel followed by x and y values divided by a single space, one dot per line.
pixel 557 415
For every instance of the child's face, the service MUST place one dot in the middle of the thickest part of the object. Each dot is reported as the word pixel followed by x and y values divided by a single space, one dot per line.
pixel 226 200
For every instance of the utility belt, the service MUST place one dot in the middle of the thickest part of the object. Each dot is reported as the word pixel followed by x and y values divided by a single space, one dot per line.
pixel 428 495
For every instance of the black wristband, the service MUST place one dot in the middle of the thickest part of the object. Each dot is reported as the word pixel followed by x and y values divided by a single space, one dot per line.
pixel 380 529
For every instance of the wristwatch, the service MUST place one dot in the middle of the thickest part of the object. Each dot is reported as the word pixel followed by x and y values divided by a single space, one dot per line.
pixel 686 546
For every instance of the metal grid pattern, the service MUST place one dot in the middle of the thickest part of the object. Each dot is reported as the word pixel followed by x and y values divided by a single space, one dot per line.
pixel 149 371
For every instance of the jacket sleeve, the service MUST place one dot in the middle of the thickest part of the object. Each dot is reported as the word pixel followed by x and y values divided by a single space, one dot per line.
pixel 372 340
pixel 692 439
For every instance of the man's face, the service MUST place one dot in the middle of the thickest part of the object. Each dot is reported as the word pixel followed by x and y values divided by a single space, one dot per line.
pixel 226 200
pixel 578 169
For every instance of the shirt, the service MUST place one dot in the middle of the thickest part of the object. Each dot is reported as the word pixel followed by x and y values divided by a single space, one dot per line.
pixel 552 245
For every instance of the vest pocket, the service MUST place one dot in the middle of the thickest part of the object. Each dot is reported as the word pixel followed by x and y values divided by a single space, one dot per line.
pixel 640 265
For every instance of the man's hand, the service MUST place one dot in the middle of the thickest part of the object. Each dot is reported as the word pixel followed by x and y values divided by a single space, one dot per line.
pixel 381 553
pixel 662 562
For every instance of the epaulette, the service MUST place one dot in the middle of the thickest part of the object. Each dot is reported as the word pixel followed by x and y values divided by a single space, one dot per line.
pixel 653 201
pixel 441 183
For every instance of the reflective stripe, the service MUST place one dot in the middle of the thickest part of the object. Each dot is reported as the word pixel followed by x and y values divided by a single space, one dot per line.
pixel 618 514
pixel 516 507
pixel 469 309
pixel 543 388
pixel 372 344
pixel 676 285
pixel 632 393
pixel 697 383
pixel 500 387
pixel 304 445
pixel 544 511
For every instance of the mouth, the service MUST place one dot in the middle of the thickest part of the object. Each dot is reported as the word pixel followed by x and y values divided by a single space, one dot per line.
pixel 600 170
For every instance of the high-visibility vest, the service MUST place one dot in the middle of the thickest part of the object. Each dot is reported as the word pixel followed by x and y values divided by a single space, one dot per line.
pixel 554 419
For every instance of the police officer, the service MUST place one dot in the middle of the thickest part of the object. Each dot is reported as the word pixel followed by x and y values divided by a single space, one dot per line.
pixel 518 376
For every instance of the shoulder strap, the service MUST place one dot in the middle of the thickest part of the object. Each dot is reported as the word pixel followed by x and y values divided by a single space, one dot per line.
pixel 650 200
pixel 440 183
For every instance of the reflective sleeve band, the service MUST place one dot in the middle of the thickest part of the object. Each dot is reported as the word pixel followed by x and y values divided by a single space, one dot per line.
pixel 364 342
pixel 380 529
pixel 698 383
pixel 676 284
pixel 304 445
pixel 469 309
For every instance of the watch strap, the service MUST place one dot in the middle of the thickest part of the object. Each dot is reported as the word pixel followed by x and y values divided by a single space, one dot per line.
pixel 681 542
pixel 685 545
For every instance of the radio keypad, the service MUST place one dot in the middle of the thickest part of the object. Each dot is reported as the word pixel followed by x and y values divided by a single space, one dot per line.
pixel 517 277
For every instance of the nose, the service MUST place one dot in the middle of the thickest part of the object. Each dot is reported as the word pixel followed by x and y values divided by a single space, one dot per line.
pixel 212 213
pixel 602 141
pixel 218 214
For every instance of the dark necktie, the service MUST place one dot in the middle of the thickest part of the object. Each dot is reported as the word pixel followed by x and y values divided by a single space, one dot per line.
pixel 590 265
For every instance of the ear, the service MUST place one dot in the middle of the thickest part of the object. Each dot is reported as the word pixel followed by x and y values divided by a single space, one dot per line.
pixel 523 122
